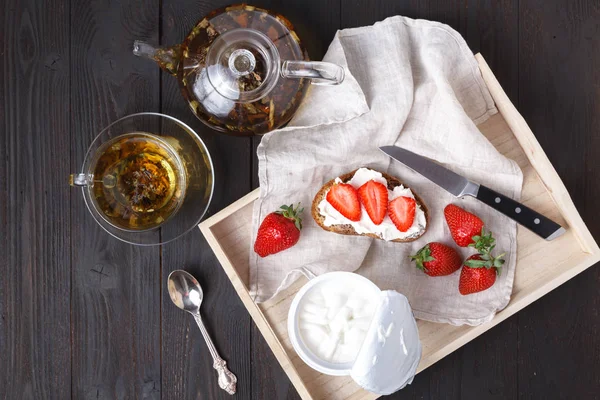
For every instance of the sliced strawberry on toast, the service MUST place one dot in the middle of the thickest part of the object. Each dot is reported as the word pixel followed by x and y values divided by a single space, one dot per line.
pixel 374 197
pixel 346 228
pixel 402 212
pixel 344 198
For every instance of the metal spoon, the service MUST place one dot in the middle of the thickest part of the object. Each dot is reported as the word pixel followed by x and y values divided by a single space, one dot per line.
pixel 186 293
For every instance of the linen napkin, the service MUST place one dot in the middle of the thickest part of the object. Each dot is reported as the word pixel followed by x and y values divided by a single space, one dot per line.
pixel 412 83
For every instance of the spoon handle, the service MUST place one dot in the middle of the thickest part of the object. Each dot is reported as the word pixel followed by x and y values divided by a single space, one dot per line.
pixel 227 380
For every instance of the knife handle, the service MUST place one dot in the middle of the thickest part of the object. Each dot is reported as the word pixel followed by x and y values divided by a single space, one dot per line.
pixel 525 216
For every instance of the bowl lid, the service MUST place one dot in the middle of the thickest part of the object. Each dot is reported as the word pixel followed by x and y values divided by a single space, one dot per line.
pixel 389 356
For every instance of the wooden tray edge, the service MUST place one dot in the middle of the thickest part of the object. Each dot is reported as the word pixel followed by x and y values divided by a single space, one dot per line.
pixel 230 209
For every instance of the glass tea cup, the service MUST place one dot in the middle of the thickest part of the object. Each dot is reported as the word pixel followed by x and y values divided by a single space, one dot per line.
pixel 147 179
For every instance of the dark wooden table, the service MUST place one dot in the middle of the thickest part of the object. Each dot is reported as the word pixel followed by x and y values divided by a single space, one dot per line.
pixel 85 316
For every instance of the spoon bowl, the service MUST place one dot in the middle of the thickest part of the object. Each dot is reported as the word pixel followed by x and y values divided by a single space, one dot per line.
pixel 185 291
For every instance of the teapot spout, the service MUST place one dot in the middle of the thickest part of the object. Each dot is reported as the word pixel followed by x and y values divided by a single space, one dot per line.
pixel 167 58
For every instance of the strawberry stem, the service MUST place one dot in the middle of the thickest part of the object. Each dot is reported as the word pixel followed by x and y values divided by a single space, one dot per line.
pixel 293 213
pixel 422 256
pixel 484 244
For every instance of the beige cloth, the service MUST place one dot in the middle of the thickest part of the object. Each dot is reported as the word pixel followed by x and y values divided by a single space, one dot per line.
pixel 415 84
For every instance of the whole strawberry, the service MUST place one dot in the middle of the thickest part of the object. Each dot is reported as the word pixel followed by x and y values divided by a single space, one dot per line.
pixel 463 225
pixel 279 231
pixel 478 274
pixel 437 259
pixel 480 270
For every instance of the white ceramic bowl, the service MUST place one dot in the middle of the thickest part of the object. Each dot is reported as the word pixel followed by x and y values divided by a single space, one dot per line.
pixel 312 360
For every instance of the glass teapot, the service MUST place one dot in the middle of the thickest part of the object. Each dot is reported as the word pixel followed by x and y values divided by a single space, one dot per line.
pixel 242 69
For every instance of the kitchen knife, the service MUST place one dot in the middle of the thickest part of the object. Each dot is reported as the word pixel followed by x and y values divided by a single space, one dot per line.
pixel 460 186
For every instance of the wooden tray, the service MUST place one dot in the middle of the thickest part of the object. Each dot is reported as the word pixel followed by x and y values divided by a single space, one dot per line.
pixel 541 265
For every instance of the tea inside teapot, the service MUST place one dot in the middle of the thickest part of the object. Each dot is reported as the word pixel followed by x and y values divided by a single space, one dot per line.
pixel 242 69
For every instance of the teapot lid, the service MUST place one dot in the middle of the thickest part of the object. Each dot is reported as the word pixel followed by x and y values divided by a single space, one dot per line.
pixel 243 65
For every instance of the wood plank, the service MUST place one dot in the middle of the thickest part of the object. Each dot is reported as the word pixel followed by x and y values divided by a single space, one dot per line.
pixel 187 365
pixel 489 363
pixel 367 12
pixel 115 286
pixel 559 84
pixel 35 356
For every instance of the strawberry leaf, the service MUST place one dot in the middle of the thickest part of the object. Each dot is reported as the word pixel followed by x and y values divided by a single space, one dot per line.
pixel 483 243
pixel 423 256
pixel 292 213
pixel 477 263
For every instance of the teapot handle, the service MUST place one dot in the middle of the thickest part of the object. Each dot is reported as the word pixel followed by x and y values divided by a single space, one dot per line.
pixel 319 72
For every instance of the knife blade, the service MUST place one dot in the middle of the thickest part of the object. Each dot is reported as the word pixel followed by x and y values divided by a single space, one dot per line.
pixel 460 186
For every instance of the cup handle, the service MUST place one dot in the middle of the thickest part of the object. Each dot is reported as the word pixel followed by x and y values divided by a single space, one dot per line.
pixel 319 72
pixel 81 179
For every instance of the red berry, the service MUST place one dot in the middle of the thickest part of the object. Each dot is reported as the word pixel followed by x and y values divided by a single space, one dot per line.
pixel 402 212
pixel 279 231
pixel 476 279
pixel 374 196
pixel 463 225
pixel 437 259
pixel 344 198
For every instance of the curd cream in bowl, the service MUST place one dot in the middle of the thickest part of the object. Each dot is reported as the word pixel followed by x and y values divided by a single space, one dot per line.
pixel 329 318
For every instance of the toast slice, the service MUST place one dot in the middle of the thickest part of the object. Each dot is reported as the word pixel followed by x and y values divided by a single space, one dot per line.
pixel 347 229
